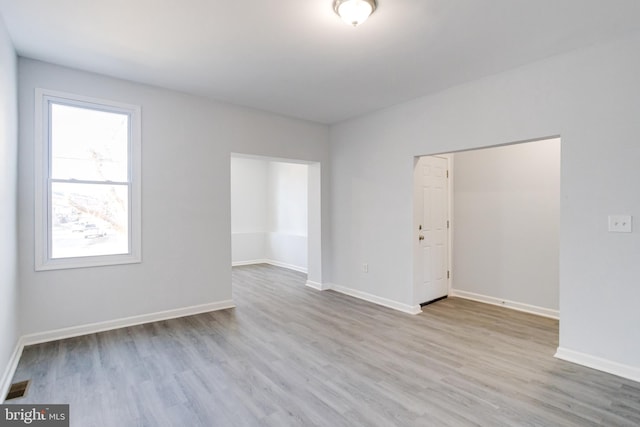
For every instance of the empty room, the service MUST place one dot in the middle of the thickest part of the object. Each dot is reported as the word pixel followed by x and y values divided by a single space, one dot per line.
pixel 321 212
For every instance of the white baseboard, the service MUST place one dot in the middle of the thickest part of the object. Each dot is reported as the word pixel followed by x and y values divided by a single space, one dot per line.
pixel 415 309
pixel 249 262
pixel 74 331
pixel 317 286
pixel 615 368
pixel 527 308
pixel 7 376
pixel 289 266
pixel 270 262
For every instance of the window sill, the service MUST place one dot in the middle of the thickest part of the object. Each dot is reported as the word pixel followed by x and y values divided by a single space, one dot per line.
pixel 87 262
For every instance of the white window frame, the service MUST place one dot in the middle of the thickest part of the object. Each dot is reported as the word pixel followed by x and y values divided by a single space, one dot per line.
pixel 43 259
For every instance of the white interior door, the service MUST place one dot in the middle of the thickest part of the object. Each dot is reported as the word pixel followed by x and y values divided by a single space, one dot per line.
pixel 432 231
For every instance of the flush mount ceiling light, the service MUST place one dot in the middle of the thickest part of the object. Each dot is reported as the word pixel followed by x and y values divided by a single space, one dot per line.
pixel 354 12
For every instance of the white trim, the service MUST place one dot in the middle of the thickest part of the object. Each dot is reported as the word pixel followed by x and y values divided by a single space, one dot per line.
pixel 270 262
pixel 91 328
pixel 527 308
pixel 594 362
pixel 285 265
pixel 317 286
pixel 415 309
pixel 450 195
pixel 7 376
pixel 249 262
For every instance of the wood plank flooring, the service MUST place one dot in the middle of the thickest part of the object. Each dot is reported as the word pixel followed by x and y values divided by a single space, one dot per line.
pixel 292 356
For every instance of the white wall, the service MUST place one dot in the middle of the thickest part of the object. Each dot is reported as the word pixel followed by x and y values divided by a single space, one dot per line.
pixel 316 228
pixel 506 220
pixel 269 212
pixel 287 238
pixel 589 97
pixel 249 209
pixel 186 146
pixel 9 326
pixel 288 184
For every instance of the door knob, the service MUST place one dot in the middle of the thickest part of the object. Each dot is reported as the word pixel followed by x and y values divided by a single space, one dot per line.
pixel 421 237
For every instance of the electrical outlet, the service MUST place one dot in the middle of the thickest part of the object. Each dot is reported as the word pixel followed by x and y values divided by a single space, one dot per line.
pixel 620 223
pixel 365 268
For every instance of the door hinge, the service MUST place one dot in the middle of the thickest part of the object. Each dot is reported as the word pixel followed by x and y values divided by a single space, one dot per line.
pixel 448 274
pixel 447 223
pixel 447 173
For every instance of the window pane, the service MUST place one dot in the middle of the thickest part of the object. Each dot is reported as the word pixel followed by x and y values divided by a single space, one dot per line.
pixel 88 145
pixel 89 220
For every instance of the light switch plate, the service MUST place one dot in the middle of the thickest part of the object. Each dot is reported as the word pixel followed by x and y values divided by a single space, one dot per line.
pixel 620 223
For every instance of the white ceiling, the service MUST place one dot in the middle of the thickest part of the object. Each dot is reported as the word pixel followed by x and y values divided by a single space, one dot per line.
pixel 296 57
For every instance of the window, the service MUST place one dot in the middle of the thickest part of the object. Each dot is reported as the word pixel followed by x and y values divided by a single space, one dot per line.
pixel 87 182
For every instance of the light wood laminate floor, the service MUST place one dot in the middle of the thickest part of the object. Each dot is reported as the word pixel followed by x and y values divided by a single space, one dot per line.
pixel 292 356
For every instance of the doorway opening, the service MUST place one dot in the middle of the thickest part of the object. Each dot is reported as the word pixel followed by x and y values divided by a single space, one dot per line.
pixel 503 210
pixel 275 213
